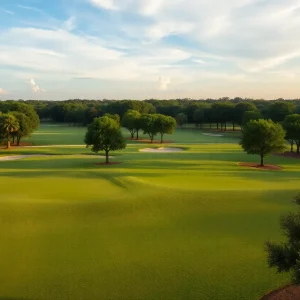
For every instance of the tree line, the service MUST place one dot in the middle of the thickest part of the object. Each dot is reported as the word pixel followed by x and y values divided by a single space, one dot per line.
pixel 17 120
pixel 221 112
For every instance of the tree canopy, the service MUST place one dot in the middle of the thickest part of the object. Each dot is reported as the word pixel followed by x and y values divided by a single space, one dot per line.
pixel 262 137
pixel 292 126
pixel 8 125
pixel 104 134
pixel 285 256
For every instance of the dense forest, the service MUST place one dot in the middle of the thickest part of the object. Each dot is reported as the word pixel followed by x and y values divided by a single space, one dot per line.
pixel 221 112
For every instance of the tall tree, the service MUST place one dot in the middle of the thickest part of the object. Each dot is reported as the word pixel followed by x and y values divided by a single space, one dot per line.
pixel 262 137
pixel 165 125
pixel 8 125
pixel 292 126
pixel 149 125
pixel 279 110
pixel 104 134
pixel 130 121
pixel 25 126
pixel 251 115
pixel 181 119
pixel 240 109
pixel 285 256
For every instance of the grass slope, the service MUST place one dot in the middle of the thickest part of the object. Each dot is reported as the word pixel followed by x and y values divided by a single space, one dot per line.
pixel 189 225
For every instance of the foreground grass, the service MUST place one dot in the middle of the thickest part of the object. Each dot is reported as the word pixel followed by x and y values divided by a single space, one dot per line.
pixel 188 225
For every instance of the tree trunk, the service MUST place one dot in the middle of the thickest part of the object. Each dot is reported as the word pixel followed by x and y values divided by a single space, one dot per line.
pixel 161 138
pixel 225 126
pixel 298 148
pixel 8 141
pixel 137 134
pixel 209 125
pixel 292 147
pixel 233 126
pixel 106 157
pixel 132 134
pixel 13 139
pixel 262 161
pixel 18 140
pixel 218 125
pixel 221 126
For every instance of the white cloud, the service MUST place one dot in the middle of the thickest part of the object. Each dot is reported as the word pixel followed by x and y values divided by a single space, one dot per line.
pixel 8 11
pixel 35 88
pixel 163 83
pixel 70 24
pixel 3 92
pixel 104 4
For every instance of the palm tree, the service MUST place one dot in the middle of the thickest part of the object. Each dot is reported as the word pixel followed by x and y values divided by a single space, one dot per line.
pixel 8 124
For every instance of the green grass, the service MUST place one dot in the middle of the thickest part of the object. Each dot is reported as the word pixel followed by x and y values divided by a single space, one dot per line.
pixel 188 225
pixel 50 134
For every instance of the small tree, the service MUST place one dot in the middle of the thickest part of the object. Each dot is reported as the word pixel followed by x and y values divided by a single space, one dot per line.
pixel 130 121
pixel 181 119
pixel 149 125
pixel 292 126
pixel 286 256
pixel 8 125
pixel 262 137
pixel 165 125
pixel 25 127
pixel 104 134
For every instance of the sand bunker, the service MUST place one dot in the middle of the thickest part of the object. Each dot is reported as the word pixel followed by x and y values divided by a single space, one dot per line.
pixel 17 157
pixel 212 134
pixel 161 150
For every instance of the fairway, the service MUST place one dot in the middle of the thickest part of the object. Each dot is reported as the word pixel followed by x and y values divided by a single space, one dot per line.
pixel 186 225
pixel 51 134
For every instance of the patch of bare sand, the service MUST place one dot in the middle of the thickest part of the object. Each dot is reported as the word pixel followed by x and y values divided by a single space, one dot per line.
pixel 161 150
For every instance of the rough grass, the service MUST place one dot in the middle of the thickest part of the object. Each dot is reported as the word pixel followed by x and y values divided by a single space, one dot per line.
pixel 189 225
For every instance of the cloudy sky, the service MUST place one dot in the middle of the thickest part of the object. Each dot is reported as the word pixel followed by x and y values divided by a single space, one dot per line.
pixel 138 49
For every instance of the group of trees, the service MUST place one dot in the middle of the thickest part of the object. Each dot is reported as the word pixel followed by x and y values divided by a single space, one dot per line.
pixel 151 124
pixel 204 111
pixel 17 120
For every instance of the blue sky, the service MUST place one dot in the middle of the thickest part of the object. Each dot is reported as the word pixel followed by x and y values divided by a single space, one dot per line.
pixel 117 49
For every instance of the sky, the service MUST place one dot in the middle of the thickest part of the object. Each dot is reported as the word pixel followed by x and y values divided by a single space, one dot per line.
pixel 142 49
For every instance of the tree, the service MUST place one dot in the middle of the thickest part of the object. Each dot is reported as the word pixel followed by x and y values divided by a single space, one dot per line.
pixel 131 121
pixel 251 115
pixel 115 117
pixel 292 126
pixel 262 137
pixel 104 134
pixel 286 256
pixel 199 116
pixel 279 110
pixel 8 125
pixel 222 113
pixel 165 125
pixel 181 119
pixel 149 125
pixel 240 109
pixel 25 127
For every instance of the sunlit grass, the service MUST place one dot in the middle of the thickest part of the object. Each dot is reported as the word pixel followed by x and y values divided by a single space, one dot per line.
pixel 188 225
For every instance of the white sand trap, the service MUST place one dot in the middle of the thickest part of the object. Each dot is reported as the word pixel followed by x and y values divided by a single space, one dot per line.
pixel 212 134
pixel 17 157
pixel 161 150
